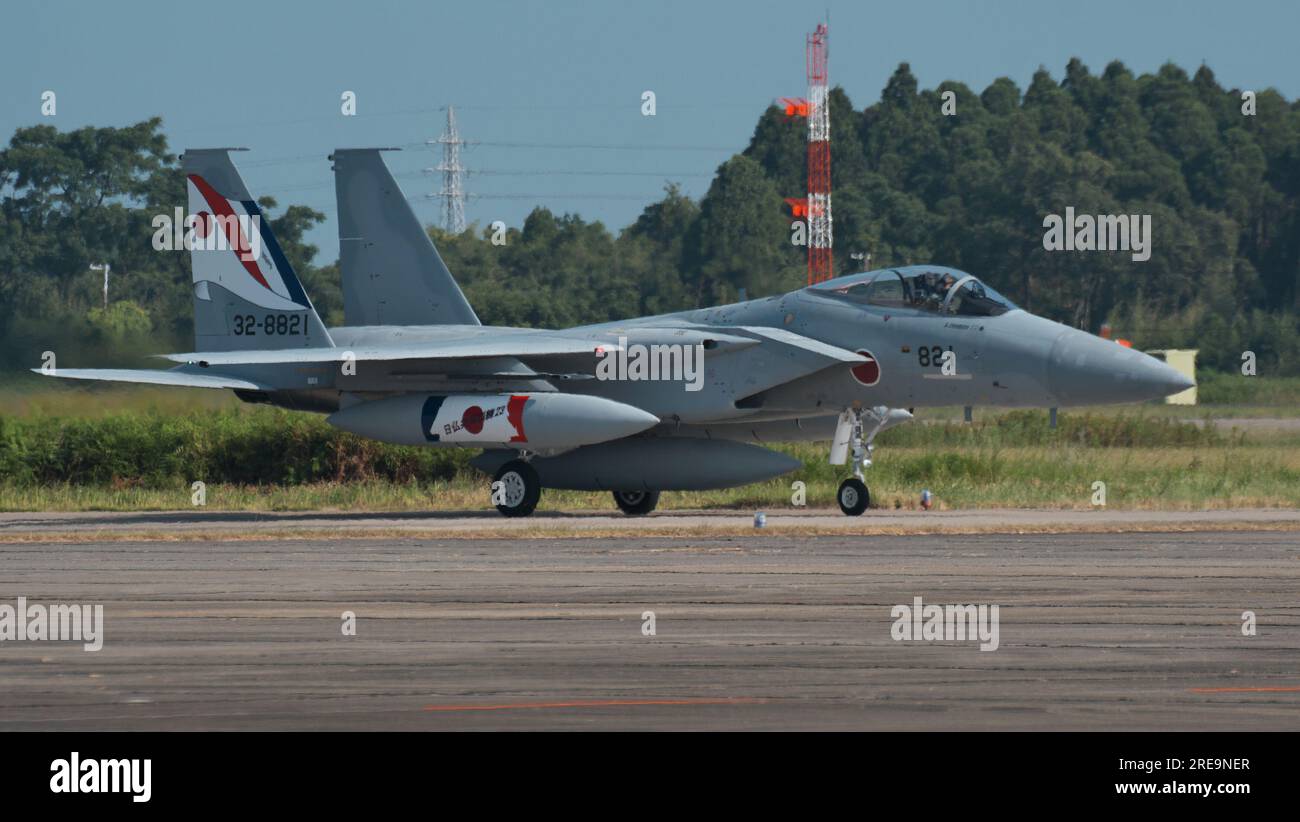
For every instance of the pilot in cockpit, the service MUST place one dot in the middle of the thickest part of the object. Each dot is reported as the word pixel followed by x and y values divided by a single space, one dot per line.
pixel 931 289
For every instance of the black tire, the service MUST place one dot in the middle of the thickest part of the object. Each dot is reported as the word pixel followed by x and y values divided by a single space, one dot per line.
pixel 853 497
pixel 636 503
pixel 521 487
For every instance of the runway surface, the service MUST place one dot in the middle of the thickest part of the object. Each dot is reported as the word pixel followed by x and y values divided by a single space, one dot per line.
pixel 222 525
pixel 1120 631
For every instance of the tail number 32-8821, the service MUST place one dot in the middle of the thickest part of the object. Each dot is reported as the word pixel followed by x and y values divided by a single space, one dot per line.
pixel 271 325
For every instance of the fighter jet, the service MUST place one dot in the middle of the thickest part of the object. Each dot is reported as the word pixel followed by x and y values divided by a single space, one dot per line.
pixel 678 401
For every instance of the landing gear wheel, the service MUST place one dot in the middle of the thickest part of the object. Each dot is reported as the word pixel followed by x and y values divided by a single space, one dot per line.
pixel 853 497
pixel 636 503
pixel 519 491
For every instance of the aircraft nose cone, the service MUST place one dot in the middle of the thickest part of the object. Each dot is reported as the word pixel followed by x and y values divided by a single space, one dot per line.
pixel 1085 369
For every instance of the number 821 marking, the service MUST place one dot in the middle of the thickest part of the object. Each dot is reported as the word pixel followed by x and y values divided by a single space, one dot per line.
pixel 929 356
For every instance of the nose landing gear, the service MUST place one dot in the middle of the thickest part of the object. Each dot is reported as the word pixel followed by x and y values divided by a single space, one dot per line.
pixel 853 496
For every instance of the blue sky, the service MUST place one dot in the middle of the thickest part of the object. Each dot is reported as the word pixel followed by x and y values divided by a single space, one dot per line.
pixel 269 76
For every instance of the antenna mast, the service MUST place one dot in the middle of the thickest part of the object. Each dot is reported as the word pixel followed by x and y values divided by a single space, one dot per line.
pixel 820 261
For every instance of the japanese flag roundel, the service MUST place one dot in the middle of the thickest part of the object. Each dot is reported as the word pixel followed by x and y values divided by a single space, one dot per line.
pixel 868 373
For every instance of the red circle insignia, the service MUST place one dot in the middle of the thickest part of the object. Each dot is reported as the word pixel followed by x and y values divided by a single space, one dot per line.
pixel 868 373
pixel 472 419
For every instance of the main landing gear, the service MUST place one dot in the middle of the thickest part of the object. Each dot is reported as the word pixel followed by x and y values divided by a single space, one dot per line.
pixel 636 503
pixel 853 496
pixel 516 489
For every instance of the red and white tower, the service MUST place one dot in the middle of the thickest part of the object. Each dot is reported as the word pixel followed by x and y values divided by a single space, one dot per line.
pixel 820 261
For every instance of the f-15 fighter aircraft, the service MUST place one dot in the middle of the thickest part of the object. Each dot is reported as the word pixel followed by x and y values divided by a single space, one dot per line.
pixel 636 407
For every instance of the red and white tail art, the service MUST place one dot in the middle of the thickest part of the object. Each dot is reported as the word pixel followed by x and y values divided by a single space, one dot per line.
pixel 232 248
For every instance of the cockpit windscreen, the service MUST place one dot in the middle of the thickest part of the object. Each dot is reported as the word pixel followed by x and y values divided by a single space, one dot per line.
pixel 933 291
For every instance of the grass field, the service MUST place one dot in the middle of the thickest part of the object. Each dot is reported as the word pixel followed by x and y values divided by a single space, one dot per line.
pixel 91 448
pixel 1039 477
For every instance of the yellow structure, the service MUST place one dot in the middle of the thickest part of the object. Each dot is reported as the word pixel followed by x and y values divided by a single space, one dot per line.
pixel 1183 360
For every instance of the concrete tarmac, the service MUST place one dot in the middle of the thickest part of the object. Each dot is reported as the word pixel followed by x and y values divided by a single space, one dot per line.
pixel 213 524
pixel 1096 631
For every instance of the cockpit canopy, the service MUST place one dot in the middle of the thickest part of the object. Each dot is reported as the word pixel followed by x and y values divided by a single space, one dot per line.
pixel 931 289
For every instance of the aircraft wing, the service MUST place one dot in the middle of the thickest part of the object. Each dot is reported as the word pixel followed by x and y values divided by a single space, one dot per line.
pixel 510 345
pixel 175 377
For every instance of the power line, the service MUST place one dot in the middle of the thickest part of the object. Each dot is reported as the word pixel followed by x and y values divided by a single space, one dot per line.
pixel 290 160
pixel 323 155
pixel 410 175
pixel 632 107
pixel 565 196
pixel 566 110
pixel 453 195
pixel 601 146
pixel 585 173
pixel 428 199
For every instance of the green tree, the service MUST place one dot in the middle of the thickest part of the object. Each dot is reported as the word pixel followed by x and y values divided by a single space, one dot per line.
pixel 742 239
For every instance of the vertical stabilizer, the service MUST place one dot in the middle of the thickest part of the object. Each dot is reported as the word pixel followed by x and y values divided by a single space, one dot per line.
pixel 392 274
pixel 246 295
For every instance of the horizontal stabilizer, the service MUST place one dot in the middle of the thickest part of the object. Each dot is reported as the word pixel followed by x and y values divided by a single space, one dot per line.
pixel 152 377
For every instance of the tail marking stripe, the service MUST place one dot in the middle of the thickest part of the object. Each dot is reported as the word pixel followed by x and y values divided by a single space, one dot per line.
pixel 222 207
